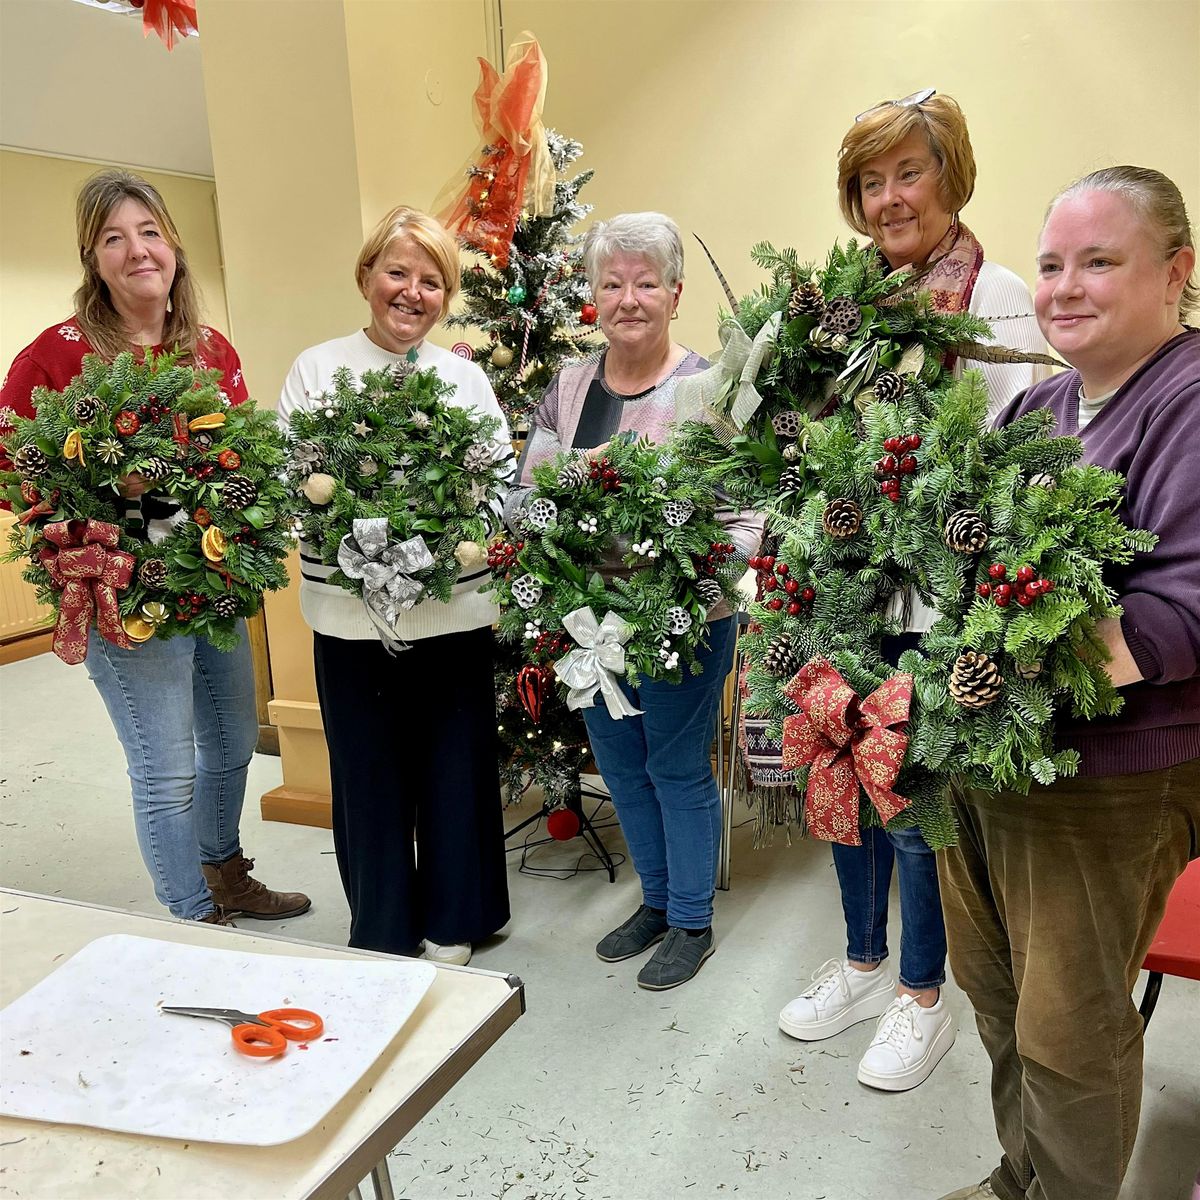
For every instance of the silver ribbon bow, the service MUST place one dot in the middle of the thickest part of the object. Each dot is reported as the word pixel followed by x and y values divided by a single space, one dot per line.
pixel 594 666
pixel 386 569
pixel 732 374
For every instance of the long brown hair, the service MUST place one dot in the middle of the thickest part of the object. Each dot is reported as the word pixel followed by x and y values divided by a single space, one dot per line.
pixel 101 323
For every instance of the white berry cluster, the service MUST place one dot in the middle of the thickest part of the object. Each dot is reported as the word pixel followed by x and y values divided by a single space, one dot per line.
pixel 533 629
pixel 646 548
pixel 670 658
pixel 588 524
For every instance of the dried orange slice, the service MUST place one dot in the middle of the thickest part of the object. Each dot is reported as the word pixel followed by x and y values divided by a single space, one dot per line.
pixel 73 446
pixel 208 421
pixel 137 628
pixel 214 544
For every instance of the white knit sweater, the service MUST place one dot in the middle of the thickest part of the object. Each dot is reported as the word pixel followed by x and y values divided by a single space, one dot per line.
pixel 332 610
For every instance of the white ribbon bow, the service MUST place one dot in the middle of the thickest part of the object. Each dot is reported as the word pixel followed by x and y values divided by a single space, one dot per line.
pixel 732 373
pixel 597 662
pixel 385 569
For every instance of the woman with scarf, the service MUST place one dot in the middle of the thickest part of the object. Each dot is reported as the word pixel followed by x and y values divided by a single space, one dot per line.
pixel 905 171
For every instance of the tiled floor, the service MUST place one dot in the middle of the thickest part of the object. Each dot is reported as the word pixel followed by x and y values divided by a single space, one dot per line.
pixel 601 1090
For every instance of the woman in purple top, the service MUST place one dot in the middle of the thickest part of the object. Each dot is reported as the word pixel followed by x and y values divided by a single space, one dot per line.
pixel 1052 900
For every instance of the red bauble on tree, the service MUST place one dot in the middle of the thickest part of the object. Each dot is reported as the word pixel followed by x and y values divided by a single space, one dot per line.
pixel 562 824
pixel 588 314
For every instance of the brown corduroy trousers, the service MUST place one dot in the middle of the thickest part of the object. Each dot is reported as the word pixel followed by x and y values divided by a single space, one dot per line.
pixel 1051 902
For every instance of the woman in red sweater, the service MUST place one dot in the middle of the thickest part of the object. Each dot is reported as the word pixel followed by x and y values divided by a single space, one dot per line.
pixel 183 710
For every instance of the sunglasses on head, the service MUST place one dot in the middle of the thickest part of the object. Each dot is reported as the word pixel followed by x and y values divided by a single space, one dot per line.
pixel 904 102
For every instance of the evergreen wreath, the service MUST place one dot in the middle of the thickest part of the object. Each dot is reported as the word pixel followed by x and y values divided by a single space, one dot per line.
pixel 390 446
pixel 167 422
pixel 638 502
pixel 847 333
pixel 1001 531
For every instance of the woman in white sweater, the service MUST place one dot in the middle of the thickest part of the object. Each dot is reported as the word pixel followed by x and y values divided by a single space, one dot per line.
pixel 411 736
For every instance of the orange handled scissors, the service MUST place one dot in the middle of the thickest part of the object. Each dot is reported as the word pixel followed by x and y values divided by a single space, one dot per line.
pixel 260 1035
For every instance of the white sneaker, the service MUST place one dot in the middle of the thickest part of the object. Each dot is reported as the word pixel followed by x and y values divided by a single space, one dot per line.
pixel 909 1042
pixel 454 956
pixel 840 997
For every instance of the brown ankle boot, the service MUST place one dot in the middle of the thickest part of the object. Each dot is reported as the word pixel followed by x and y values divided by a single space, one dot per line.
pixel 239 894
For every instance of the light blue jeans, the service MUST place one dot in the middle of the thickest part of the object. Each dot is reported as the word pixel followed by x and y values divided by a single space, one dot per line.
pixel 659 774
pixel 185 715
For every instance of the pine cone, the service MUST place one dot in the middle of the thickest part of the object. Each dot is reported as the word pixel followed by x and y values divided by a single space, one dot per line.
pixel 239 492
pixel 889 387
pixel 805 298
pixel 709 590
pixel 841 315
pixel 86 408
pixel 478 458
pixel 1029 670
pixel 154 469
pixel 966 531
pixel 787 424
pixel 975 681
pixel 792 479
pixel 574 474
pixel 153 573
pixel 225 605
pixel 30 462
pixel 842 518
pixel 781 658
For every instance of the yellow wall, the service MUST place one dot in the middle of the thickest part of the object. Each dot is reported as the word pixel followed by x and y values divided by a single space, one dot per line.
pixel 728 116
pixel 39 262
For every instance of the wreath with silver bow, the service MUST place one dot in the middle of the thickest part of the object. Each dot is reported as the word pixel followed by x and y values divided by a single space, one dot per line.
pixel 219 543
pixel 395 487
pixel 631 536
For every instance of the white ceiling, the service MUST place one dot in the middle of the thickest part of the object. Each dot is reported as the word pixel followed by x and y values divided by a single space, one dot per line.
pixel 84 83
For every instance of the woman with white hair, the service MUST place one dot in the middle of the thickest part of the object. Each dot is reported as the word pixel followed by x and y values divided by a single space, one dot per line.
pixel 656 765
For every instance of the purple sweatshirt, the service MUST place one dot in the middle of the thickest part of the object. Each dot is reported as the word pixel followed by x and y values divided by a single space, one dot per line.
pixel 1150 432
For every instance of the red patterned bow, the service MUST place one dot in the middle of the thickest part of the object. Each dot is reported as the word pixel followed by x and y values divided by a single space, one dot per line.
pixel 845 742
pixel 513 164
pixel 82 560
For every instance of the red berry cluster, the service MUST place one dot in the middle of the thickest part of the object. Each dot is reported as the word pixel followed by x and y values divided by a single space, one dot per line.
pixel 1025 591
pixel 502 554
pixel 777 576
pixel 552 645
pixel 895 464
pixel 246 534
pixel 202 470
pixel 605 474
pixel 719 553
pixel 189 605
pixel 229 460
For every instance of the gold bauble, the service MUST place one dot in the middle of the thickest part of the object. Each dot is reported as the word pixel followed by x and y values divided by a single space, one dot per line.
pixel 502 357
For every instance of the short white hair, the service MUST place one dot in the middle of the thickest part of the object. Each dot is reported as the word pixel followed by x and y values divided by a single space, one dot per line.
pixel 650 234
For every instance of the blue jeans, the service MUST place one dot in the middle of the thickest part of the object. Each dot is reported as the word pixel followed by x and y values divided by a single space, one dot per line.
pixel 184 712
pixel 865 875
pixel 659 772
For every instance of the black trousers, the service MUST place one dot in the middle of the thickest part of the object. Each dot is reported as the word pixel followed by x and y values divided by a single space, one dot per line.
pixel 413 751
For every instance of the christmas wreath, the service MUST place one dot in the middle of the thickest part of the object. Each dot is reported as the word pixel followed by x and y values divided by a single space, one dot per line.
pixel 93 560
pixel 395 487
pixel 806 342
pixel 1004 535
pixel 653 512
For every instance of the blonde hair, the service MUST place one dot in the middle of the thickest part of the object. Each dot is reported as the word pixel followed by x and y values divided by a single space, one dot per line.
pixel 649 234
pixel 102 325
pixel 939 120
pixel 428 232
pixel 1156 200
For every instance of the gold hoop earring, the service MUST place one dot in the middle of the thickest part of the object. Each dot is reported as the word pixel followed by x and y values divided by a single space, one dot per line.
pixel 675 315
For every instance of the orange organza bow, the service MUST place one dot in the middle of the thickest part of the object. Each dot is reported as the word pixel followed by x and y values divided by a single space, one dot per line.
pixel 845 742
pixel 512 165
pixel 168 18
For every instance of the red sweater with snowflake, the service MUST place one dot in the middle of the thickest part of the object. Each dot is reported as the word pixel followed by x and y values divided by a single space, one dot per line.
pixel 55 357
